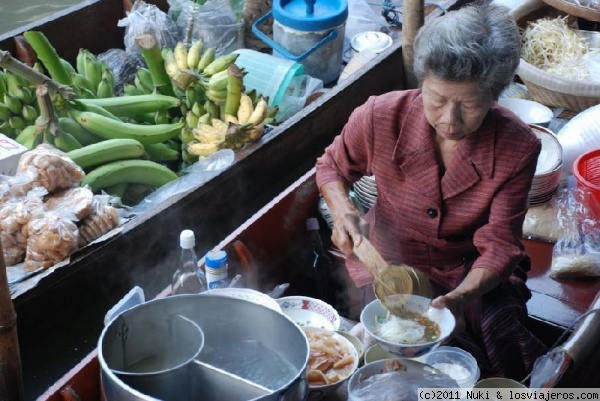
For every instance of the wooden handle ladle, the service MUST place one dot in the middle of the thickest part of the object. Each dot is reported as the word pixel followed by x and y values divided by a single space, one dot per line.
pixel 392 282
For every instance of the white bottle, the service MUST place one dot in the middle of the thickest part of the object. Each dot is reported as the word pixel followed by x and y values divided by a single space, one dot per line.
pixel 215 263
pixel 188 278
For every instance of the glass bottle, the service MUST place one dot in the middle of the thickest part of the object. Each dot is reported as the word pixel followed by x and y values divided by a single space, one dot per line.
pixel 322 265
pixel 189 277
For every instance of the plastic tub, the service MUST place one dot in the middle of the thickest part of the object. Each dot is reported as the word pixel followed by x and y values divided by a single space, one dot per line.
pixel 269 75
pixel 586 170
pixel 456 363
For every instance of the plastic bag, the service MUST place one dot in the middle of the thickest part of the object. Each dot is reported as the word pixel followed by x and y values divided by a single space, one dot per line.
pixel 51 239
pixel 217 22
pixel 576 253
pixel 50 168
pixel 296 94
pixel 15 214
pixel 362 18
pixel 123 65
pixel 101 219
pixel 148 19
pixel 195 175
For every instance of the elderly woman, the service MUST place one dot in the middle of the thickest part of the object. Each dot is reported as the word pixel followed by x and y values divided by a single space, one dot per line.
pixel 453 171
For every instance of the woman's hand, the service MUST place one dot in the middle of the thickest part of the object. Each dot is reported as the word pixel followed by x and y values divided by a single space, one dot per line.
pixel 456 305
pixel 348 225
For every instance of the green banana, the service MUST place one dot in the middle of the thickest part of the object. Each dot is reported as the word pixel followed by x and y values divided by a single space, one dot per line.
pixel 162 117
pixel 132 90
pixel 117 190
pixel 29 113
pixel 80 105
pixel 80 62
pixel 106 151
pixel 3 88
pixel 81 81
pixel 124 106
pixel 111 129
pixel 161 152
pixel 104 89
pixel 218 81
pixel 15 88
pixel 66 142
pixel 220 63
pixel 17 122
pixel 83 136
pixel 30 137
pixel 5 112
pixel 13 104
pixel 207 57
pixel 194 53
pixel 67 66
pixel 93 69
pixel 136 171
pixel 146 78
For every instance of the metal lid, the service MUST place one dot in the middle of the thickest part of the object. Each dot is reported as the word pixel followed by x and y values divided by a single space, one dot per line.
pixel 371 40
pixel 216 259
pixel 310 15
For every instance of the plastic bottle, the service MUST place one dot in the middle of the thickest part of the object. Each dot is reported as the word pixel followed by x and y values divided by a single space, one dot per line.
pixel 189 277
pixel 216 269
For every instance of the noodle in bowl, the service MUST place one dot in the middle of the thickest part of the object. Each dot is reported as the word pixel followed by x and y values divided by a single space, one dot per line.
pixel 405 336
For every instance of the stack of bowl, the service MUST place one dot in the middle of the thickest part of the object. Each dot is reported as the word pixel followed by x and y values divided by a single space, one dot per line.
pixel 366 191
pixel 549 167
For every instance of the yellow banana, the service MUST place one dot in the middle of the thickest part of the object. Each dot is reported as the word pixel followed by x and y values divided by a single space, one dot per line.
pixel 259 113
pixel 245 110
pixel 231 119
pixel 170 63
pixel 202 149
pixel 209 134
pixel 220 63
pixel 180 53
pixel 194 54
pixel 219 96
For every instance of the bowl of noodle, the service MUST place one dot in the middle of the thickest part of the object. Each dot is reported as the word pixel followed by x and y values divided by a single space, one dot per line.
pixel 333 359
pixel 421 329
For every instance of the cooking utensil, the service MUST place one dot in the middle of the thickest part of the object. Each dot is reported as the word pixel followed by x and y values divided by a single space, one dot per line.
pixel 392 282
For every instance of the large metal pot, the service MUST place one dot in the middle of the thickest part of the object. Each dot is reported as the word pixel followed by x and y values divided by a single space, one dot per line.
pixel 250 352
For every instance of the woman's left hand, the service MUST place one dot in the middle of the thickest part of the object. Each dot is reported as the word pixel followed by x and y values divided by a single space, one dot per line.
pixel 456 305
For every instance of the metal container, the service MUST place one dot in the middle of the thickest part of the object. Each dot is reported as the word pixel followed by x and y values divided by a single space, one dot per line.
pixel 250 352
pixel 310 32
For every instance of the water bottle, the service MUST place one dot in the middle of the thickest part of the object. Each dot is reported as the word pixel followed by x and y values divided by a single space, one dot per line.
pixel 216 269
pixel 189 277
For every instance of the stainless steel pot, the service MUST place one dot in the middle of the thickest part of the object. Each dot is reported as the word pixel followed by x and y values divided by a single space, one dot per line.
pixel 250 352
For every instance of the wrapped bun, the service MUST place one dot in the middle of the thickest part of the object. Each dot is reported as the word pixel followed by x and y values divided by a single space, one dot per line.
pixel 76 201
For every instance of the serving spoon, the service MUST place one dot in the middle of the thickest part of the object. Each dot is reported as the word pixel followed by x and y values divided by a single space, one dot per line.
pixel 392 282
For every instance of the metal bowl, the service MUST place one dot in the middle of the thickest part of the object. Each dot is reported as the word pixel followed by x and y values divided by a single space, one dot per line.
pixel 592 37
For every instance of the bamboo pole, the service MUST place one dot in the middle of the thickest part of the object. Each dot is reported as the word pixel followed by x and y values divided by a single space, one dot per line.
pixel 413 19
pixel 11 379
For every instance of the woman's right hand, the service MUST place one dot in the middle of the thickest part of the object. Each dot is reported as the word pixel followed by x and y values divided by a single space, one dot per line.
pixel 348 224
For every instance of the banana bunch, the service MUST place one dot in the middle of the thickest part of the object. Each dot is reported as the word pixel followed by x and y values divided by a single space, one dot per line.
pixel 18 106
pixel 92 78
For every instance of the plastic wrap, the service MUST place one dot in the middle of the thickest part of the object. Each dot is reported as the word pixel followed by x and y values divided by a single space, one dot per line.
pixel 123 64
pixel 195 175
pixel 15 214
pixel 218 23
pixel 52 237
pixel 101 219
pixel 148 19
pixel 50 168
pixel 296 94
pixel 76 201
pixel 576 253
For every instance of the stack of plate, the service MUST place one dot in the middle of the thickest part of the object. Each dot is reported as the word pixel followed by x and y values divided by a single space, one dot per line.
pixel 549 167
pixel 366 191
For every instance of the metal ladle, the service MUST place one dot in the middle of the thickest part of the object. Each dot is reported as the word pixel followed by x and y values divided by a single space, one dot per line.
pixel 392 282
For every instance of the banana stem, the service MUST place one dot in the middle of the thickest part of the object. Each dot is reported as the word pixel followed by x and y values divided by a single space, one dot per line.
pixel 155 62
pixel 47 119
pixel 13 65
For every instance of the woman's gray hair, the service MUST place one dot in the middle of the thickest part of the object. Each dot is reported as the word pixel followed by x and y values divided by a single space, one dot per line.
pixel 478 43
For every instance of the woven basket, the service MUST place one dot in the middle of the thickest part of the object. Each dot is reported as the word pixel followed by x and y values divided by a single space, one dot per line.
pixel 549 89
pixel 588 13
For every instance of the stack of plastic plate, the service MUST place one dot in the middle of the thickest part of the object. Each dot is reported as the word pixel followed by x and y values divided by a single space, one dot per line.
pixel 549 167
pixel 366 191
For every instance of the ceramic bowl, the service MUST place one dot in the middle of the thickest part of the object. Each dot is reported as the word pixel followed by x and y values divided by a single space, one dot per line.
pixel 317 392
pixel 529 111
pixel 443 317
pixel 376 353
pixel 310 312
pixel 360 349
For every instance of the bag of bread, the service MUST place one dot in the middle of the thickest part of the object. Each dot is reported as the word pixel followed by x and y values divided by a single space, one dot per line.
pixel 576 253
pixel 15 214
pixel 76 201
pixel 52 237
pixel 101 219
pixel 50 168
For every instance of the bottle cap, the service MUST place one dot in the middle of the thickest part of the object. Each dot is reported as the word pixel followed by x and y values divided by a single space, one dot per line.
pixel 187 239
pixel 216 259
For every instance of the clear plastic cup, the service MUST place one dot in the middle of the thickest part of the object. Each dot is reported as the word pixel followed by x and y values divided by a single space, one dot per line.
pixel 456 363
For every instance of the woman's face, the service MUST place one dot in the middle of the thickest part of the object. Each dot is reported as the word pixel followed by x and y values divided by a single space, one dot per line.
pixel 454 109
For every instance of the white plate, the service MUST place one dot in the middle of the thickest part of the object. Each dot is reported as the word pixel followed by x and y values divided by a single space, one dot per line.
pixel 551 154
pixel 247 294
pixel 527 110
pixel 310 312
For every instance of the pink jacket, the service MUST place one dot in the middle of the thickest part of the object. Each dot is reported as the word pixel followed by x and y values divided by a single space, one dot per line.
pixel 471 218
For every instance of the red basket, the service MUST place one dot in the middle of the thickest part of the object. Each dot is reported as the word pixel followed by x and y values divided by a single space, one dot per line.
pixel 586 170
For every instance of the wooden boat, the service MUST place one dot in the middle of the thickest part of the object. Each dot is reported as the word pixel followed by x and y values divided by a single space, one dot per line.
pixel 280 251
